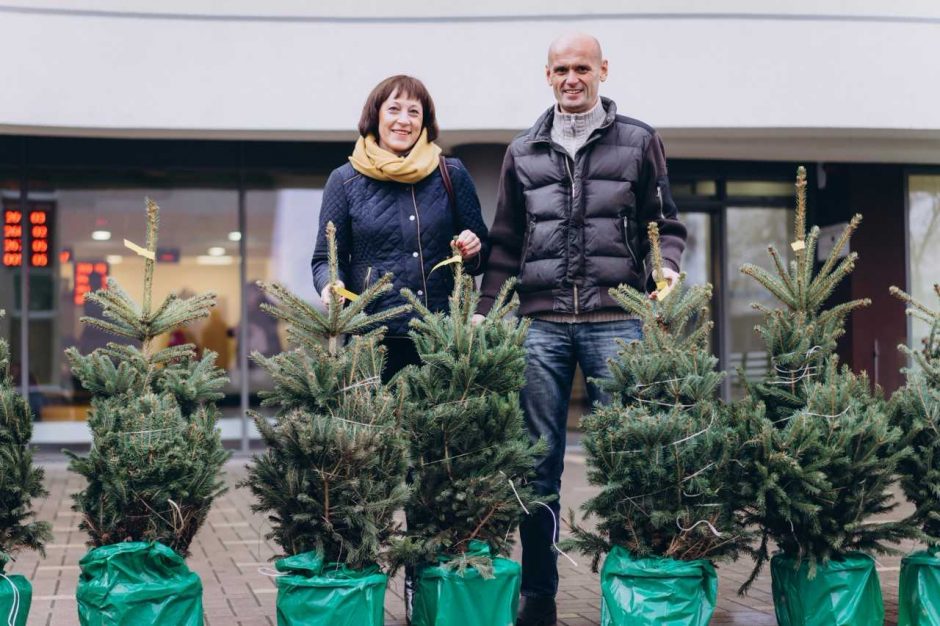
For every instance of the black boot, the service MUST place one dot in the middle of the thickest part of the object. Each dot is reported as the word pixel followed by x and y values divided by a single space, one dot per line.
pixel 537 611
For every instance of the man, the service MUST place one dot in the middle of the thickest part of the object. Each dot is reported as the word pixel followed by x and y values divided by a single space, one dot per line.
pixel 576 193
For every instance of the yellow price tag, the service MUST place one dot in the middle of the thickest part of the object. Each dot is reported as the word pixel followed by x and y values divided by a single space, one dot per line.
pixel 144 252
pixel 797 246
pixel 454 259
pixel 661 284
pixel 342 291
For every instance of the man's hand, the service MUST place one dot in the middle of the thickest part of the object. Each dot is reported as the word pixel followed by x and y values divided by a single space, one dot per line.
pixel 477 319
pixel 670 276
pixel 468 244
pixel 327 294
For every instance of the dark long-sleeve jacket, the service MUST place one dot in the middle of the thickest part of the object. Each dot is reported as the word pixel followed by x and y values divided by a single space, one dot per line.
pixel 385 226
pixel 572 228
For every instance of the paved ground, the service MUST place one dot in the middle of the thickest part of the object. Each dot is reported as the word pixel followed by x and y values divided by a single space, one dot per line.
pixel 230 549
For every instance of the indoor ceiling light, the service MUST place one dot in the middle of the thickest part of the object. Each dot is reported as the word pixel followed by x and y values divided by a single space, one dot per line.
pixel 216 251
pixel 101 235
pixel 235 236
pixel 205 259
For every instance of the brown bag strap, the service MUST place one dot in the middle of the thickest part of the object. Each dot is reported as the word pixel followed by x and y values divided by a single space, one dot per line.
pixel 452 197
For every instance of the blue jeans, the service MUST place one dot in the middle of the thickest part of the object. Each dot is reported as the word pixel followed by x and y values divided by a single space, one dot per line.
pixel 552 350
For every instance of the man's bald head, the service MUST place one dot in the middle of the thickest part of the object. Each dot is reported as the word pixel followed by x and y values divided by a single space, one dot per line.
pixel 580 42
pixel 576 67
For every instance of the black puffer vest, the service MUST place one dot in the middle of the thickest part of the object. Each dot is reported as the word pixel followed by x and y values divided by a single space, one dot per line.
pixel 584 217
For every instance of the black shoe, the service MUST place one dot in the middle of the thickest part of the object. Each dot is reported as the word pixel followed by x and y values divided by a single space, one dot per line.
pixel 537 611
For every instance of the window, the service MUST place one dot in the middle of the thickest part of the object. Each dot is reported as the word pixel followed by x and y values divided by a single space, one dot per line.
pixel 923 231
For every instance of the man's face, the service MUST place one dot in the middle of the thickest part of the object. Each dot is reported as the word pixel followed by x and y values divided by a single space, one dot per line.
pixel 575 72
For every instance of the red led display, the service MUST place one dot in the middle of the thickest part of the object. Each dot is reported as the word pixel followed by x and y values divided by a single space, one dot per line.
pixel 84 270
pixel 40 237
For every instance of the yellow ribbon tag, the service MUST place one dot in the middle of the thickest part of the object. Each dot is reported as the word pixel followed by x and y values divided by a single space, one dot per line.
pixel 342 291
pixel 663 289
pixel 454 259
pixel 797 246
pixel 144 252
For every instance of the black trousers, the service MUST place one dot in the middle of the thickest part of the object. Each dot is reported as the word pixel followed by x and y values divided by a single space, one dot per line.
pixel 400 352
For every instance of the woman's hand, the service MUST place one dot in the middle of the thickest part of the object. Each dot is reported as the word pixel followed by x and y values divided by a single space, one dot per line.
pixel 327 294
pixel 468 244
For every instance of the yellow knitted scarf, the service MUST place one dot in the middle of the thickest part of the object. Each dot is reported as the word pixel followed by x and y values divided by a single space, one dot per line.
pixel 371 160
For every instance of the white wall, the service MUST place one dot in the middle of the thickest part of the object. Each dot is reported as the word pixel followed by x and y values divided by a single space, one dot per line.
pixel 858 79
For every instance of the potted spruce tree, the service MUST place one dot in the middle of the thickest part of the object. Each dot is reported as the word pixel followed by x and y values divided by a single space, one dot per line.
pixel 915 410
pixel 660 452
pixel 156 458
pixel 470 459
pixel 333 474
pixel 20 482
pixel 821 452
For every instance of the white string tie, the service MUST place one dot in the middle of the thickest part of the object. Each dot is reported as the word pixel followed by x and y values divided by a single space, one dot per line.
pixel 554 531
pixel 355 423
pixel 270 573
pixel 694 435
pixel 366 381
pixel 660 382
pixel 840 414
pixel 554 521
pixel 516 493
pixel 660 403
pixel 457 456
pixel 15 609
pixel 672 443
pixel 701 521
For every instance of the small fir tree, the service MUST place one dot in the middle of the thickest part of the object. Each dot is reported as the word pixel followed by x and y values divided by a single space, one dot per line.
pixel 915 410
pixel 817 454
pixel 20 482
pixel 156 458
pixel 660 449
pixel 333 474
pixel 470 451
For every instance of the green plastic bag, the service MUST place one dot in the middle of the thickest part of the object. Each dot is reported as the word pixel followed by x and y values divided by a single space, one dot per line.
pixel 843 593
pixel 656 591
pixel 919 594
pixel 311 594
pixel 443 597
pixel 137 584
pixel 16 594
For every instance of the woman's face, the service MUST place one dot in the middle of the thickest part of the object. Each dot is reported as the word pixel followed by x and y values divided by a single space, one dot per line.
pixel 400 122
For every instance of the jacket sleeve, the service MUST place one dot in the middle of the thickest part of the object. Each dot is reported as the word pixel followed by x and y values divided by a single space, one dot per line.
pixel 655 203
pixel 505 236
pixel 470 215
pixel 334 208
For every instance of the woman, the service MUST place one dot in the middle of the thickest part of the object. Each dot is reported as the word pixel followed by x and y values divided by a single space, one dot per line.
pixel 394 213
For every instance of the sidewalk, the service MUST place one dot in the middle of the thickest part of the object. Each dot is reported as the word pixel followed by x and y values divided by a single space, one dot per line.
pixel 230 548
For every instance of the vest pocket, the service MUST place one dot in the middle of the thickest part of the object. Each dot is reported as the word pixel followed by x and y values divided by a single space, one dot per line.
pixel 626 240
pixel 527 237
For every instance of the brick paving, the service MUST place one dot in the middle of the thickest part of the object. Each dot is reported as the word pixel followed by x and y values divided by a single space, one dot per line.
pixel 229 550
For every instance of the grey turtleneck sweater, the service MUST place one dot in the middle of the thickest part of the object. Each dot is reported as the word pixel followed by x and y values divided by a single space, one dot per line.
pixel 571 130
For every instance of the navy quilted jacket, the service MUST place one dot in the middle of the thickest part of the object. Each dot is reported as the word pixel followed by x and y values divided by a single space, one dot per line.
pixel 384 226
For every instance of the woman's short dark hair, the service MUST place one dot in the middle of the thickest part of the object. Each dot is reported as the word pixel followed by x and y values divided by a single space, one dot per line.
pixel 401 85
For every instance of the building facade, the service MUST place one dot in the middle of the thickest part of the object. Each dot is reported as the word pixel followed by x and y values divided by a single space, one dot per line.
pixel 232 115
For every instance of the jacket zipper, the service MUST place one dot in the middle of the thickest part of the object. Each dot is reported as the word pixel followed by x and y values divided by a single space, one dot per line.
pixel 424 280
pixel 570 216
pixel 659 196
